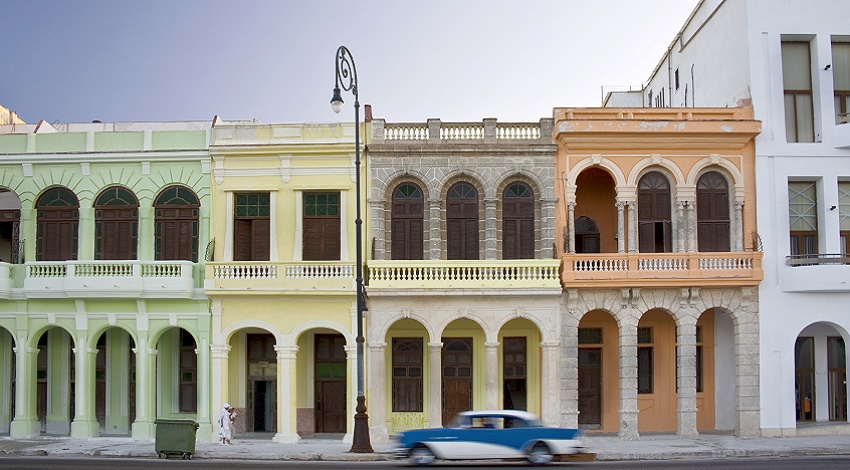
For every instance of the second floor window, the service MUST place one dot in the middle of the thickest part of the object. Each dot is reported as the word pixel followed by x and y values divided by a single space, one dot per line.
pixel 57 222
pixel 803 215
pixel 462 222
pixel 407 222
pixel 518 222
pixel 797 85
pixel 177 226
pixel 251 227
pixel 654 215
pixel 841 81
pixel 321 227
pixel 712 212
pixel 116 232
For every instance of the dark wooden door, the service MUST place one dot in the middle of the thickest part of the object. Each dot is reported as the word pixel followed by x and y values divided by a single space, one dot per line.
pixel 407 222
pixel 116 233
pixel 251 239
pixel 518 222
pixel 57 220
pixel 457 377
pixel 177 234
pixel 264 405
pixel 654 214
pixel 590 386
pixel 712 213
pixel 462 222
pixel 330 376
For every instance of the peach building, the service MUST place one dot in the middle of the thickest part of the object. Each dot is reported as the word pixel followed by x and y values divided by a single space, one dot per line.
pixel 661 261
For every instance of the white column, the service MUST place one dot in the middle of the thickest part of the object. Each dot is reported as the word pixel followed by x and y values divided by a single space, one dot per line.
pixel 287 426
pixel 5 382
pixel 435 382
pixel 571 227
pixel 228 228
pixel 567 368
pixel 218 384
pixel 351 399
pixel 633 229
pixel 737 229
pixel 621 227
pixel 687 374
pixel 491 394
pixel 143 427
pixel 679 227
pixel 549 404
pixel 85 423
pixel 377 393
pixel 205 415
pixel 25 423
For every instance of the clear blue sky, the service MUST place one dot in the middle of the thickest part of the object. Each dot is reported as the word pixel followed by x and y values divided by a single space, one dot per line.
pixel 459 60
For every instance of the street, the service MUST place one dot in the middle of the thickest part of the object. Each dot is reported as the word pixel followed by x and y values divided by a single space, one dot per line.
pixel 70 463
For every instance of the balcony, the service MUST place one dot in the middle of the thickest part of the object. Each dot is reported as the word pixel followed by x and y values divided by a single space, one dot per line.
pixel 89 279
pixel 274 278
pixel 498 275
pixel 604 270
pixel 5 280
pixel 816 273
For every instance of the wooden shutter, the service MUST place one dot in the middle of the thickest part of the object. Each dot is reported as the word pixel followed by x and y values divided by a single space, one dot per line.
pixel 321 239
pixel 462 222
pixel 712 213
pixel 510 235
pixel 242 240
pixel 470 239
pixel 407 223
pixel 260 239
pixel 454 237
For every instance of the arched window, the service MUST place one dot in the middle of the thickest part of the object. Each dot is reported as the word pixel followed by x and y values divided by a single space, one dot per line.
pixel 10 227
pixel 407 222
pixel 654 220
pixel 176 211
pixel 712 212
pixel 116 224
pixel 462 222
pixel 57 224
pixel 587 235
pixel 518 222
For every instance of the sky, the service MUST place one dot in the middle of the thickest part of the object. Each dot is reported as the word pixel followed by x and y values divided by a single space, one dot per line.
pixel 274 60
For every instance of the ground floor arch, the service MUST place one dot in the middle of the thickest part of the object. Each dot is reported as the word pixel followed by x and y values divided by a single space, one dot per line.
pixel 7 380
pixel 115 382
pixel 820 375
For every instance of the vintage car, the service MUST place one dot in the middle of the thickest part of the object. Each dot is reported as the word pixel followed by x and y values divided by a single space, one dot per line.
pixel 489 434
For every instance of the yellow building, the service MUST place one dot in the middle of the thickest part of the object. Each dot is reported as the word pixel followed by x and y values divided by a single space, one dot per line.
pixel 660 266
pixel 281 279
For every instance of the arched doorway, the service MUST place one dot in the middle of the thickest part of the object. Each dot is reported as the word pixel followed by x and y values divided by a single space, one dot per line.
pixel 462 222
pixel 55 387
pixel 656 372
pixel 57 225
pixel 596 201
pixel 598 372
pixel 407 222
pixel 712 213
pixel 116 214
pixel 655 233
pixel 177 227
pixel 177 364
pixel 520 354
pixel 587 235
pixel 460 379
pixel 407 376
pixel 322 399
pixel 518 222
pixel 820 373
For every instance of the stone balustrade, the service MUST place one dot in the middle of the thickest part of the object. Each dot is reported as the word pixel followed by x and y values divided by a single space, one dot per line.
pixel 436 274
pixel 662 269
pixel 84 279
pixel 268 276
pixel 487 131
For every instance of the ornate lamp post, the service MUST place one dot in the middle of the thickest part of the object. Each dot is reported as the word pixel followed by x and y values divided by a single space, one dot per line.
pixel 346 77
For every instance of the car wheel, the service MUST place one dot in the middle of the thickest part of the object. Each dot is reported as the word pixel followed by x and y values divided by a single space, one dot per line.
pixel 539 454
pixel 421 455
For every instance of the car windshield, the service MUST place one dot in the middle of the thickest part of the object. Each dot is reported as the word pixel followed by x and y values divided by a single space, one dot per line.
pixel 492 422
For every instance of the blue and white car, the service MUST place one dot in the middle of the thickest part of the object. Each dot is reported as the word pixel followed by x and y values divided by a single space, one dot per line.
pixel 490 434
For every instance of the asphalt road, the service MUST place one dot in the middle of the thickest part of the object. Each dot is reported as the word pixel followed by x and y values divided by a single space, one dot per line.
pixel 73 463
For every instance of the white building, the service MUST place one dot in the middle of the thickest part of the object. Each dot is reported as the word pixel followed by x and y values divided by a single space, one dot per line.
pixel 791 60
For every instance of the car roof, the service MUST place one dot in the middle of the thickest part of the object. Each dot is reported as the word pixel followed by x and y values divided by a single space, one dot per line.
pixel 511 413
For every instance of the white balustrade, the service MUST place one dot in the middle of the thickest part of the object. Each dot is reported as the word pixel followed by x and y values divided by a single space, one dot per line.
pixel 406 132
pixel 518 131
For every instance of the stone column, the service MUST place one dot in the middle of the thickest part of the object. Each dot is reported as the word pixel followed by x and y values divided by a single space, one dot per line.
pixel 686 339
pixel 737 226
pixel 435 384
pixel 351 401
pixel 633 228
pixel 568 364
pixel 547 229
pixel 490 250
pixel 26 422
pixel 621 227
pixel 146 231
pixel 143 427
pixel 220 386
pixel 491 394
pixel 85 423
pixel 379 240
pixel 206 423
pixel 377 393
pixel 434 240
pixel 59 380
pixel 550 396
pixel 6 348
pixel 287 426
pixel 747 365
pixel 628 378
pixel 571 227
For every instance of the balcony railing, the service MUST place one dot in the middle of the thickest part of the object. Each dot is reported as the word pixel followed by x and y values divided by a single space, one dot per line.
pixel 435 274
pixel 86 279
pixel 294 277
pixel 661 269
pixel 812 260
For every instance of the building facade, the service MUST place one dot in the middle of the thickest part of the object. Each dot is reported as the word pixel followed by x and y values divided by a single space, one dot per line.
pixel 103 323
pixel 463 290
pixel 281 282
pixel 791 60
pixel 654 228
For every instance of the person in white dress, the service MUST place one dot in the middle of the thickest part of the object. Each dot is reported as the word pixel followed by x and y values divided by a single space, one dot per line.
pixel 226 422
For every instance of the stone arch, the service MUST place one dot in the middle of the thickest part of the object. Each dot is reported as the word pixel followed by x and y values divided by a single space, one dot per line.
pixel 608 165
pixel 733 174
pixel 538 323
pixel 661 164
pixel 228 332
pixel 312 325
pixel 489 335
pixel 32 341
pixel 91 340
pixel 388 324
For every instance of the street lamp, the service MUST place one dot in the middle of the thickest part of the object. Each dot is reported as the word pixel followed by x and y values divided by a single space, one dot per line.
pixel 346 77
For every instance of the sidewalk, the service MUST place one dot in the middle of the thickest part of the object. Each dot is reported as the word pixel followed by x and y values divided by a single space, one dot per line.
pixel 652 447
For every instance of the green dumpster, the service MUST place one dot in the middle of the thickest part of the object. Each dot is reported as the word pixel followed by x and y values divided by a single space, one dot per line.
pixel 175 436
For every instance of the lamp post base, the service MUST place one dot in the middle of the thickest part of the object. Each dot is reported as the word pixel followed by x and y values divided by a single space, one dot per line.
pixel 361 443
